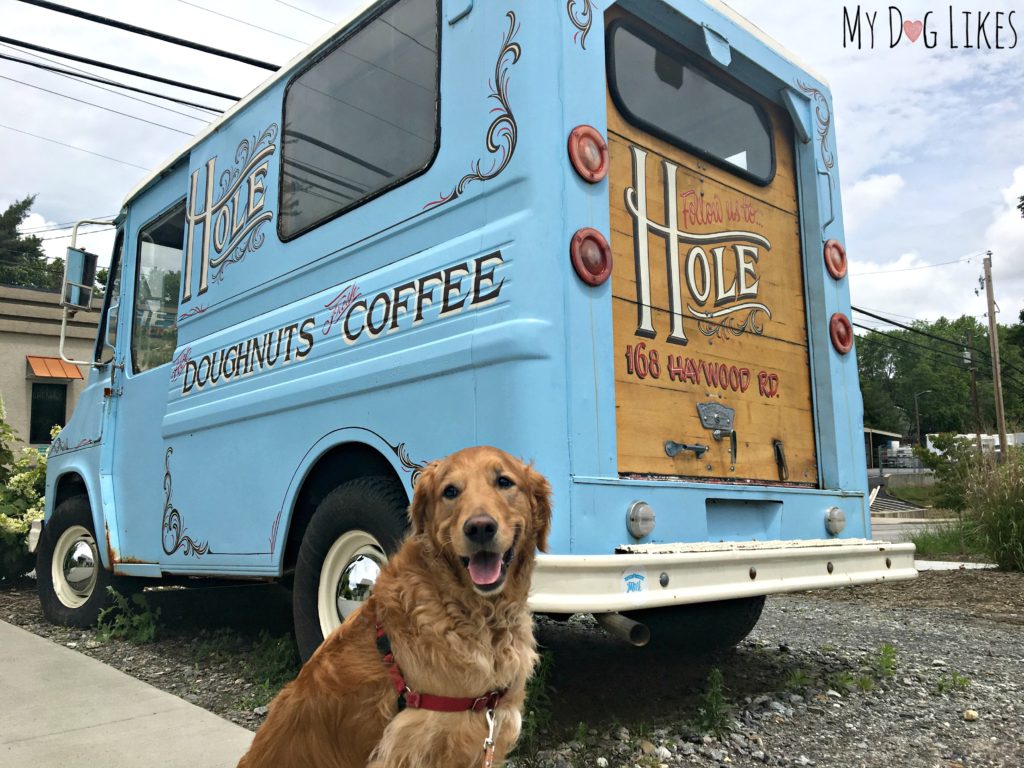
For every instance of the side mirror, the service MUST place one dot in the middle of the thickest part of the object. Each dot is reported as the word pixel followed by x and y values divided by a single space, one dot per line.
pixel 79 279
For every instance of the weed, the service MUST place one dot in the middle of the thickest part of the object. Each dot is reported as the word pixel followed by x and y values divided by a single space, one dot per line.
pixel 714 714
pixel 864 683
pixel 995 495
pixel 132 620
pixel 885 663
pixel 842 681
pixel 956 538
pixel 952 682
pixel 797 680
pixel 537 716
pixel 273 661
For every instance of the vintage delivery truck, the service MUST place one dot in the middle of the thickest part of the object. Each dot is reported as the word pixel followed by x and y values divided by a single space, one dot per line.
pixel 607 239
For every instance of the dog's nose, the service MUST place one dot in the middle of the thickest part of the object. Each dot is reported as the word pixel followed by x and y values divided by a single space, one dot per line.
pixel 480 529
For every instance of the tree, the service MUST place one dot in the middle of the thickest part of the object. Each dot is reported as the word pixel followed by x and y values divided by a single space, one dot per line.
pixel 22 261
pixel 897 365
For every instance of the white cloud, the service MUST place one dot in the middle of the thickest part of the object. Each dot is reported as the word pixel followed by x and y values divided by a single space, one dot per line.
pixel 868 196
pixel 1005 238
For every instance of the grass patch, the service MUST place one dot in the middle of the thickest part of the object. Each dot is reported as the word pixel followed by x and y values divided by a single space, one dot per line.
pixel 958 539
pixel 954 681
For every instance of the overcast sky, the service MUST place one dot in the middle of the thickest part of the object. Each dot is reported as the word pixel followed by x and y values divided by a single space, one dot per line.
pixel 931 140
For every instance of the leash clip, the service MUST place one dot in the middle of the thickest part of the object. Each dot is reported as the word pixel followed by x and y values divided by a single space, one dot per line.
pixel 489 741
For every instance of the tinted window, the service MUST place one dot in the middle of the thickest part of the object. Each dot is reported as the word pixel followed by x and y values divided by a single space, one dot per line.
pixel 658 89
pixel 157 286
pixel 49 407
pixel 362 118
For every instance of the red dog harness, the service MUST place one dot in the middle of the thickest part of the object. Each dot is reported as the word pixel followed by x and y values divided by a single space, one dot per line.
pixel 407 697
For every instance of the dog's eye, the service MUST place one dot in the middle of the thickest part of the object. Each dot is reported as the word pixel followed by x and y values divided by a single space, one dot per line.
pixel 504 482
pixel 450 492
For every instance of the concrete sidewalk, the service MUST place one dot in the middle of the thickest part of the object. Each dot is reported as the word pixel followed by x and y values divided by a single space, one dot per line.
pixel 60 708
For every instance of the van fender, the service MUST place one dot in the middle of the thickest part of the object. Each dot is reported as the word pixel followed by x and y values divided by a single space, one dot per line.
pixel 407 469
pixel 77 469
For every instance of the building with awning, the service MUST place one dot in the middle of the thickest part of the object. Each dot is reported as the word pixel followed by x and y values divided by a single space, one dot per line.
pixel 40 389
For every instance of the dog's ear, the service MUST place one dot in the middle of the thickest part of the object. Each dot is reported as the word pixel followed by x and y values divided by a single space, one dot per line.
pixel 423 496
pixel 540 493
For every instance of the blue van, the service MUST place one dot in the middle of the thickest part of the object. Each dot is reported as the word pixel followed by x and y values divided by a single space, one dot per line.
pixel 607 240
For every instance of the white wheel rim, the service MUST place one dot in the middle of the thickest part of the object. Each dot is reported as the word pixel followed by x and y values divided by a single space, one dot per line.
pixel 74 567
pixel 347 576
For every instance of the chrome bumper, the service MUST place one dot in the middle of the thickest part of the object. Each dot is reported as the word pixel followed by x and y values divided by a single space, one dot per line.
pixel 33 536
pixel 652 576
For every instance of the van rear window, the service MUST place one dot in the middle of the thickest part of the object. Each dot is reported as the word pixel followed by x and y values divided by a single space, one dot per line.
pixel 362 118
pixel 656 86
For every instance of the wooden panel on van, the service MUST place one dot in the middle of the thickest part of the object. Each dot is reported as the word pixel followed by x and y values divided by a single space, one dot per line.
pixel 712 313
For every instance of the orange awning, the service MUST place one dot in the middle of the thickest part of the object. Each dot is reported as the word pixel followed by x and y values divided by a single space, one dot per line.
pixel 52 368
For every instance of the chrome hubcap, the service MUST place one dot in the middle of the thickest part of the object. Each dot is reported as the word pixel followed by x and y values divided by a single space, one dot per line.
pixel 349 572
pixel 74 566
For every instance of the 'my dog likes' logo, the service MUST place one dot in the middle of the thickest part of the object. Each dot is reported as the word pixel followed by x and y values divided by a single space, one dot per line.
pixel 949 27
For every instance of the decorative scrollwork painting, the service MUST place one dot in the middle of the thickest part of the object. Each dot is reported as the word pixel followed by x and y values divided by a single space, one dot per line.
pixel 174 531
pixel 503 133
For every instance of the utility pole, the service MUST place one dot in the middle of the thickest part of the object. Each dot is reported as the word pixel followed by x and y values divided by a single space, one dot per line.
pixel 993 340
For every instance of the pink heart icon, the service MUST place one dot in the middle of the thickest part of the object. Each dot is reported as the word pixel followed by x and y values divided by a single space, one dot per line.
pixel 913 29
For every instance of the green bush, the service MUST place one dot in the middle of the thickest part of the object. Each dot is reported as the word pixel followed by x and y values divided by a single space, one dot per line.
pixel 995 496
pixel 953 467
pixel 22 484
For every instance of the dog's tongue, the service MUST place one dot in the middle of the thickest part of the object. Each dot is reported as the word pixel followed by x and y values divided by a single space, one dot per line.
pixel 485 568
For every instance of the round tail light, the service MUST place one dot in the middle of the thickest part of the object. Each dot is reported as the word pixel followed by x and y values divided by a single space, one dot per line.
pixel 588 152
pixel 835 259
pixel 591 256
pixel 841 331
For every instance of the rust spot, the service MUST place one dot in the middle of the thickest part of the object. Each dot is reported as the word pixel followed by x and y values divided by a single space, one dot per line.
pixel 111 552
pixel 129 560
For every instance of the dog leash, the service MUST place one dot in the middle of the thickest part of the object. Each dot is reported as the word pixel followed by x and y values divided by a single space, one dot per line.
pixel 407 697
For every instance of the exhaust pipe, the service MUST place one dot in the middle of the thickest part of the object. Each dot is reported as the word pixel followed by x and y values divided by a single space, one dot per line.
pixel 617 625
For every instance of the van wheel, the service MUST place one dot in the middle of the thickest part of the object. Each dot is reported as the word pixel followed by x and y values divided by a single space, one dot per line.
pixel 72 581
pixel 700 629
pixel 348 540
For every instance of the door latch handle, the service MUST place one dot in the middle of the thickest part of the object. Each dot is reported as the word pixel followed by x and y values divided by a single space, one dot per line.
pixel 673 449
pixel 780 459
pixel 718 434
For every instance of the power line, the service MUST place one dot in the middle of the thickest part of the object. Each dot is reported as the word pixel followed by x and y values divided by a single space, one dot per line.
pixel 959 358
pixel 151 33
pixel 943 353
pixel 303 10
pixel 80 234
pixel 890 321
pixel 242 21
pixel 98 106
pixel 116 68
pixel 107 81
pixel 55 227
pixel 958 345
pixel 72 146
pixel 962 260
pixel 76 79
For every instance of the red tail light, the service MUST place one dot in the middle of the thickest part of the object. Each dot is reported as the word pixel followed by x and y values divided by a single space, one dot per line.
pixel 835 259
pixel 588 152
pixel 841 331
pixel 591 256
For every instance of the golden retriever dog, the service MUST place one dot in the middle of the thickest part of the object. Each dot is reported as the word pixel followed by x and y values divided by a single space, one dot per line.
pixel 450 609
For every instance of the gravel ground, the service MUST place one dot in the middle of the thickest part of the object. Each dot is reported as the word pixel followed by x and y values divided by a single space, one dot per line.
pixel 811 686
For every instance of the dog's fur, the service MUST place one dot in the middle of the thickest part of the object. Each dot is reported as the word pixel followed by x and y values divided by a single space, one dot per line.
pixel 450 636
